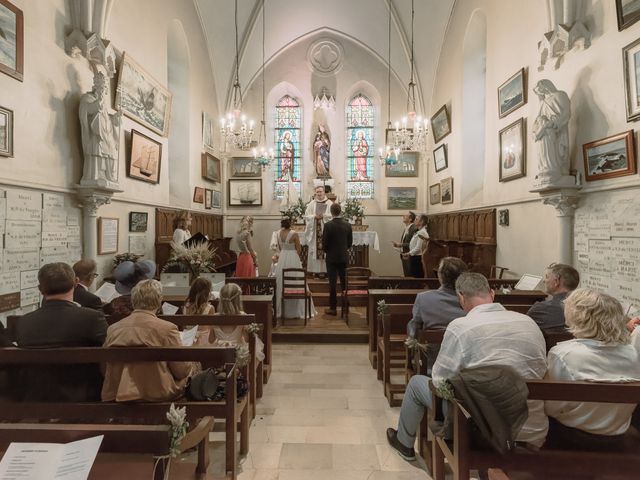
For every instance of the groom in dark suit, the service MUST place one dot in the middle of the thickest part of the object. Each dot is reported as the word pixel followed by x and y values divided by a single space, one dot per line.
pixel 337 239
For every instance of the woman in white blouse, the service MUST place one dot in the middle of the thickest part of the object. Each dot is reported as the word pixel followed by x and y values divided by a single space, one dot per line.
pixel 600 352
pixel 181 225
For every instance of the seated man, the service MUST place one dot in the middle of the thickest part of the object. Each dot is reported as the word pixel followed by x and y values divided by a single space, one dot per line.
pixel 487 335
pixel 150 381
pixel 59 322
pixel 85 271
pixel 559 281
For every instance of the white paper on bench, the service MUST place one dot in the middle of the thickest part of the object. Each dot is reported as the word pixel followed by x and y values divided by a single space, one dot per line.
pixel 169 309
pixel 528 282
pixel 49 461
pixel 107 292
pixel 189 336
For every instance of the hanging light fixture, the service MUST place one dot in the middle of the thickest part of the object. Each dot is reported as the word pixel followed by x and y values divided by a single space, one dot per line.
pixel 388 155
pixel 236 129
pixel 263 155
pixel 410 133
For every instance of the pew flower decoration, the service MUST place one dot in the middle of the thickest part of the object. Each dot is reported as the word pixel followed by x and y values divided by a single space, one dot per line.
pixel 242 355
pixel 253 328
pixel 177 417
pixel 383 309
pixel 353 209
pixel 445 391
pixel 194 259
pixel 413 344
pixel 125 257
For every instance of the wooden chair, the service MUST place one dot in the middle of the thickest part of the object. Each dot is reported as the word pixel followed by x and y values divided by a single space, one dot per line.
pixel 294 287
pixel 355 290
pixel 497 272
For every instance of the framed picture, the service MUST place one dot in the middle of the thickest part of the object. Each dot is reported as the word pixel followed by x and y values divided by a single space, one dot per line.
pixel 389 134
pixel 610 157
pixel 138 221
pixel 6 132
pixel 628 13
pixel 503 217
pixel 210 167
pixel 198 195
pixel 440 158
pixel 107 235
pixel 406 166
pixel 440 124
pixel 11 40
pixel 207 131
pixel 434 194
pixel 446 190
pixel 513 158
pixel 217 199
pixel 402 198
pixel 144 161
pixel 631 62
pixel 512 94
pixel 245 167
pixel 142 98
pixel 245 193
pixel 208 198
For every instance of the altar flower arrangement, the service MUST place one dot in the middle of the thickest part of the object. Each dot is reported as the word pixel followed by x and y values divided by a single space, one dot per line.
pixel 195 259
pixel 294 211
pixel 125 257
pixel 353 209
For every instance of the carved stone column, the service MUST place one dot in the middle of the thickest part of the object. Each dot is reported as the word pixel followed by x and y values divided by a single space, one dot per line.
pixel 565 202
pixel 91 199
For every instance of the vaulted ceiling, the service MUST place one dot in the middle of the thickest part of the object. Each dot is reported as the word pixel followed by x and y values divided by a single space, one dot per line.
pixel 364 22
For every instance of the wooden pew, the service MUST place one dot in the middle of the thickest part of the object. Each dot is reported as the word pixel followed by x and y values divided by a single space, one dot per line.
pixel 234 411
pixel 565 464
pixel 152 440
pixel 391 351
pixel 256 286
pixel 428 283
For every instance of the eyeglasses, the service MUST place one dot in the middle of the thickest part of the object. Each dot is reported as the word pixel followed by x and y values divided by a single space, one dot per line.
pixel 95 275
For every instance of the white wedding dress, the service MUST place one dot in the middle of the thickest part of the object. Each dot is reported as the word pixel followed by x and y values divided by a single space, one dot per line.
pixel 288 258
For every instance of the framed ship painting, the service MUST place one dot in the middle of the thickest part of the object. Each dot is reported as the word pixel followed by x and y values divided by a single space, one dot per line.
pixel 210 167
pixel 11 40
pixel 512 94
pixel 144 161
pixel 402 198
pixel 245 193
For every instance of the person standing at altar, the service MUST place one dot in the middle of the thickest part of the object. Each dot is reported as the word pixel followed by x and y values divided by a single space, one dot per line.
pixel 246 263
pixel 316 215
pixel 336 241
pixel 416 246
pixel 181 226
pixel 407 234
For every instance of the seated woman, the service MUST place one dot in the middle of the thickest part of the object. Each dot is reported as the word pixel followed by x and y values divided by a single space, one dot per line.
pixel 197 303
pixel 150 381
pixel 600 352
pixel 128 274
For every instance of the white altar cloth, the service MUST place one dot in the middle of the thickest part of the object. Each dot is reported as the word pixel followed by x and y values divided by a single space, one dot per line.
pixel 368 237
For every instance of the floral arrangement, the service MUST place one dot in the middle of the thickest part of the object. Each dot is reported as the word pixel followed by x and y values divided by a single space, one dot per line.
pixel 178 419
pixel 294 211
pixel 125 257
pixel 413 343
pixel 243 355
pixel 353 209
pixel 194 259
pixel 383 309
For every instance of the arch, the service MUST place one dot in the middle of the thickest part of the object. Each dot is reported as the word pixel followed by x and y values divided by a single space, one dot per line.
pixel 179 78
pixel 473 109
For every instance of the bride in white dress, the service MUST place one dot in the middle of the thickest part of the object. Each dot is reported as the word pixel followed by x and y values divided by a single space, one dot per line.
pixel 289 257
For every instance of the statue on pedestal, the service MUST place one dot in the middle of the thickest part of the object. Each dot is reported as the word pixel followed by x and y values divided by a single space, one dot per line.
pixel 322 149
pixel 100 136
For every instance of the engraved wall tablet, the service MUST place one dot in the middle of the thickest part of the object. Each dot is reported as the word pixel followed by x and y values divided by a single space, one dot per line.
pixel 610 157
pixel 145 158
pixel 11 40
pixel 440 124
pixel 6 132
pixel 512 94
pixel 107 235
pixel 513 159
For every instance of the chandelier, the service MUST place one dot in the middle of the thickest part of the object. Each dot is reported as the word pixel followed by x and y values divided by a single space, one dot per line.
pixel 410 133
pixel 388 155
pixel 236 129
pixel 324 102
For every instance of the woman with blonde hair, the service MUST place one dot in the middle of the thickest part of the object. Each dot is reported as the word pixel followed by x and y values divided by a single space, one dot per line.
pixel 197 303
pixel 246 263
pixel 181 225
pixel 600 352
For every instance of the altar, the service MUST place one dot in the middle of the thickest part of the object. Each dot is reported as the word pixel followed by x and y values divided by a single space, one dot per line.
pixel 358 253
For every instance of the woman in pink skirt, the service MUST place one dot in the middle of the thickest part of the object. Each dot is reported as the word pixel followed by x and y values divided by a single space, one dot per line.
pixel 246 263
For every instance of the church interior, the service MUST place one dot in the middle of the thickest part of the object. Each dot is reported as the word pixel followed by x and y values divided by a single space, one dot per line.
pixel 503 129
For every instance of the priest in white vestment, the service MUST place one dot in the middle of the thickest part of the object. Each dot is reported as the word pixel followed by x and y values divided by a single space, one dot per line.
pixel 316 215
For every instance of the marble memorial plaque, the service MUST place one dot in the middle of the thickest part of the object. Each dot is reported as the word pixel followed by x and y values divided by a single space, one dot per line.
pixel 56 238
pixel 19 261
pixel 9 282
pixel 137 243
pixel 599 225
pixel 73 217
pixel 3 208
pixel 55 219
pixel 30 296
pixel 9 301
pixel 22 235
pixel 74 254
pixel 598 282
pixel 52 201
pixel 28 279
pixel 73 235
pixel 54 254
pixel 599 257
pixel 24 205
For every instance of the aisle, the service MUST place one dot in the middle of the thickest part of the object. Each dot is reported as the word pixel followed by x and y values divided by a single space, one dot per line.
pixel 324 416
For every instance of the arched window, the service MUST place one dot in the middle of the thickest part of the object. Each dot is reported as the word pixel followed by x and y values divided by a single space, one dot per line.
pixel 287 138
pixel 360 123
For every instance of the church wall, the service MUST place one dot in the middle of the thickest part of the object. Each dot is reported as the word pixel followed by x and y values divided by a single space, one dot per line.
pixel 593 79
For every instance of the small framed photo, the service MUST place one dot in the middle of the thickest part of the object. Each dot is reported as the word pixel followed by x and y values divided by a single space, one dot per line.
pixel 211 168
pixel 245 193
pixel 389 134
pixel 513 158
pixel 145 158
pixel 208 198
pixel 631 62
pixel 138 221
pixel 434 194
pixel 11 40
pixel 198 195
pixel 245 167
pixel 610 157
pixel 207 131
pixel 402 198
pixel 446 190
pixel 503 217
pixel 406 165
pixel 107 235
pixel 628 13
pixel 440 161
pixel 440 124
pixel 6 132
pixel 512 94
pixel 217 199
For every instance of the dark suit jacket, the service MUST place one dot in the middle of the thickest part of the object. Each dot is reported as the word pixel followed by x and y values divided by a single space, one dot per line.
pixel 337 239
pixel 406 237
pixel 86 299
pixel 58 323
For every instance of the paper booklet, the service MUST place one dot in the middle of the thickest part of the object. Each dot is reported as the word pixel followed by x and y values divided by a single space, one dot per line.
pixel 189 336
pixel 107 292
pixel 169 309
pixel 50 461
pixel 321 208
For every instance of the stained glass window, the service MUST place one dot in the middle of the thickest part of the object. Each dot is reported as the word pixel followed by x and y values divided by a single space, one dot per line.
pixel 360 119
pixel 287 137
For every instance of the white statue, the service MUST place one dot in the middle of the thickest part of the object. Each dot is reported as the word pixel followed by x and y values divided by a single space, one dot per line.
pixel 551 131
pixel 100 136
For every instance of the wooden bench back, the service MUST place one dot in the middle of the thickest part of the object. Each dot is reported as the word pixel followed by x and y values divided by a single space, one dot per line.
pixel 182 321
pixel 428 283
pixel 396 319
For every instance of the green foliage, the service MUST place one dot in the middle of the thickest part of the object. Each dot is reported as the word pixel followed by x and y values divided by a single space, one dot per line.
pixel 352 208
pixel 294 211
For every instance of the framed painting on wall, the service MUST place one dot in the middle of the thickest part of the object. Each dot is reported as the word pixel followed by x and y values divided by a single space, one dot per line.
pixel 513 155
pixel 145 158
pixel 631 62
pixel 245 193
pixel 609 157
pixel 208 198
pixel 6 132
pixel 512 94
pixel 11 40
pixel 440 124
pixel 628 13
pixel 207 131
pixel 446 190
pixel 142 98
pixel 217 199
pixel 405 166
pixel 107 235
pixel 402 198
pixel 440 160
pixel 211 168
pixel 138 221
pixel 434 194
pixel 198 195
pixel 245 167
